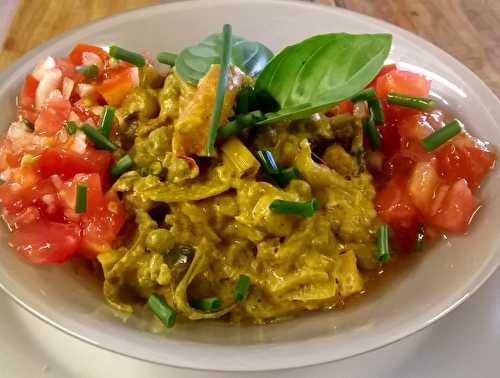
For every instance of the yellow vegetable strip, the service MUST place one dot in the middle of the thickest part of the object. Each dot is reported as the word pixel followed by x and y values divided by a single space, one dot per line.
pixel 240 157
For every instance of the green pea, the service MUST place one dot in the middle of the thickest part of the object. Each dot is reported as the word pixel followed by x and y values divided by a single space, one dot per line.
pixel 160 241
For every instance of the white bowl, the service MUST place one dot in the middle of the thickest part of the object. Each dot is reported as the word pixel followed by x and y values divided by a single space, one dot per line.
pixel 439 281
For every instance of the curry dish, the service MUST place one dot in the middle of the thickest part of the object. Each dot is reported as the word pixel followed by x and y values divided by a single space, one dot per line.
pixel 199 228
pixel 228 182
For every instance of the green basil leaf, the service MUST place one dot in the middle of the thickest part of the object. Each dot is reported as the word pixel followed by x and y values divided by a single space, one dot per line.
pixel 193 62
pixel 319 72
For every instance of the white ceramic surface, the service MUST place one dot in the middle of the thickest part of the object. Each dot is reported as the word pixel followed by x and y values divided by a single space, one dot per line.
pixel 463 344
pixel 442 279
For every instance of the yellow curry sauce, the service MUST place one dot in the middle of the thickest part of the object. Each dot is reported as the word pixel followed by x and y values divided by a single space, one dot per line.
pixel 197 223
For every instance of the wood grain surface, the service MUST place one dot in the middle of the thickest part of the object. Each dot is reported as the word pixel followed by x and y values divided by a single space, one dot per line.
pixel 467 29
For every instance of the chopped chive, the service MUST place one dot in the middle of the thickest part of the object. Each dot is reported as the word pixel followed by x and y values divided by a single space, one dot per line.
pixel 242 121
pixel 372 133
pixel 229 129
pixel 249 119
pixel 127 56
pixel 241 288
pixel 268 162
pixel 91 71
pixel 28 124
pixel 206 304
pixel 221 88
pixel 442 135
pixel 167 58
pixel 415 102
pixel 70 127
pixel 365 95
pixel 286 175
pixel 121 166
pixel 377 111
pixel 419 241
pixel 100 141
pixel 106 121
pixel 383 251
pixel 81 198
pixel 281 176
pixel 303 209
pixel 162 310
pixel 246 101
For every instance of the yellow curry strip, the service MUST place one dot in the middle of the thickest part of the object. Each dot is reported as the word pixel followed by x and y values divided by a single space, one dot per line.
pixel 191 129
pixel 193 229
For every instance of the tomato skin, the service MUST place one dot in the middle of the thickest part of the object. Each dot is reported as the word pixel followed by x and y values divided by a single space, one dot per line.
pixel 52 117
pixel 115 88
pixel 57 161
pixel 456 209
pixel 76 55
pixel 45 242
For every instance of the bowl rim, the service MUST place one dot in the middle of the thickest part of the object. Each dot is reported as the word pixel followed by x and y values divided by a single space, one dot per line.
pixel 487 270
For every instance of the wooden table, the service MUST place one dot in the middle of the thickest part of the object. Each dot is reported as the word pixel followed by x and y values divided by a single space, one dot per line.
pixel 467 29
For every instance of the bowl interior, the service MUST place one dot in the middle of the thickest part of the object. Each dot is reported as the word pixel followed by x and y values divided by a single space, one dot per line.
pixel 438 280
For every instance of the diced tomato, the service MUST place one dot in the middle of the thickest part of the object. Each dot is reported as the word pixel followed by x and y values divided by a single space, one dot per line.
pixel 463 157
pixel 342 107
pixel 26 100
pixel 395 205
pixel 456 208
pixel 68 163
pixel 19 205
pixel 390 139
pixel 95 198
pixel 85 113
pixel 9 156
pixel 24 177
pixel 52 117
pixel 422 185
pixel 403 82
pixel 77 53
pixel 400 164
pixel 45 242
pixel 385 69
pixel 401 156
pixel 103 219
pixel 418 126
pixel 68 69
pixel 115 88
pixel 101 226
pixel 27 96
